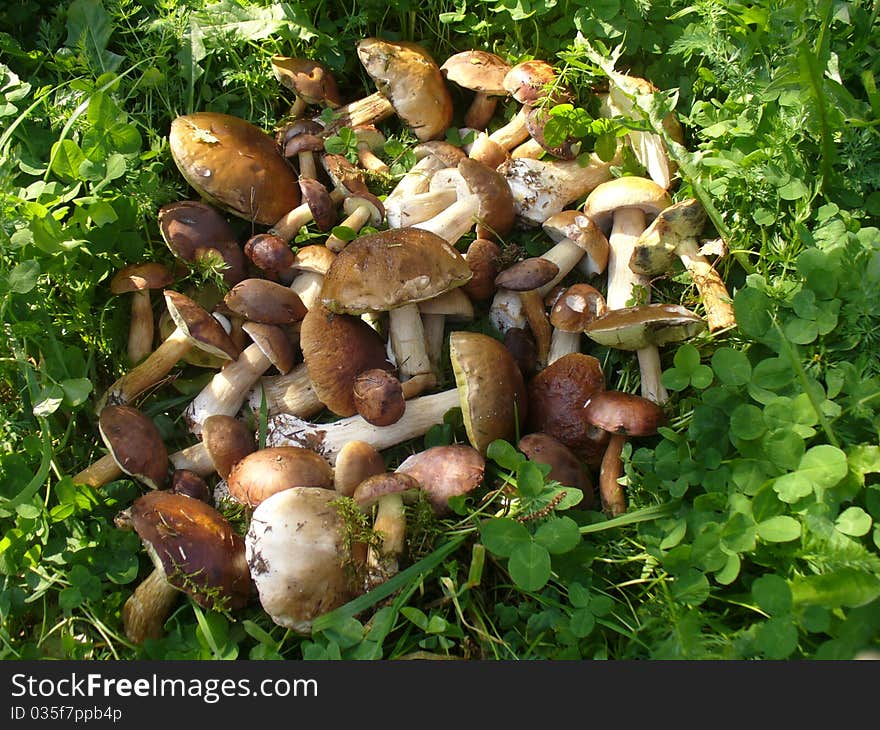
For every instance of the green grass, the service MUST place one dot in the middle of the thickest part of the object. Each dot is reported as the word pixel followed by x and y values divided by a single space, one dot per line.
pixel 752 528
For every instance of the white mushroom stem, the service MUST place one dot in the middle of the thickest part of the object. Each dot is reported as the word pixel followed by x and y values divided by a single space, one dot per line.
pixel 370 160
pixel 415 181
pixel 628 225
pixel 145 611
pixel 329 438
pixel 288 226
pixel 563 343
pixel 99 472
pixel 530 148
pixel 355 220
pixel 194 458
pixel 407 336
pixel 291 393
pixel 456 220
pixel 422 206
pixel 366 110
pixel 308 284
pixel 227 390
pixel 307 166
pixel 506 311
pixel 515 132
pixel 141 326
pixel 434 327
pixel 566 254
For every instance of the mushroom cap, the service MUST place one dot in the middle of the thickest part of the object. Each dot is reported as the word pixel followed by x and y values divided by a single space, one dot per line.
pixel 294 547
pixel 576 307
pixel 262 300
pixel 333 377
pixel 303 142
pixel 444 472
pixel 321 205
pixel 522 346
pixel 190 484
pixel 536 118
pixel 191 228
pixel 565 467
pixel 378 396
pixel 266 471
pixel 656 249
pixel 576 227
pixel 478 71
pixel 376 486
pixel 629 191
pixel 556 397
pixel 444 151
pixel 623 413
pixel 496 211
pixel 527 81
pixel 407 75
pixel 370 135
pixel 135 444
pixel 632 328
pixel 344 174
pixel 227 441
pixel 140 277
pixel 527 274
pixel 269 253
pixel 311 80
pixel 385 270
pixel 234 165
pixel 273 343
pixel 203 330
pixel 355 461
pixel 314 257
pixel 482 258
pixel 195 546
pixel 493 396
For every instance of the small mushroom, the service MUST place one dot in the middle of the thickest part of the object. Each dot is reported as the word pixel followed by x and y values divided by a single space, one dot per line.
pixel 225 440
pixel 378 396
pixel 134 447
pixel 360 209
pixel 310 264
pixel 138 280
pixel 579 243
pixel 483 73
pixel 355 461
pixel 634 328
pixel 445 471
pixel 266 471
pixel 623 416
pixel 264 301
pixel 482 258
pixel 189 484
pixel 370 141
pixel 565 467
pixel 269 253
pixel 527 274
pixel 573 311
pixel 302 139
pixel 312 83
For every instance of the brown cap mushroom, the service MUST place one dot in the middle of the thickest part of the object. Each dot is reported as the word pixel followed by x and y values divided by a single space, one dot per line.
pixel 565 467
pixel 378 396
pixel 266 471
pixel 482 258
pixel 138 280
pixel 579 242
pixel 574 310
pixel 189 484
pixel 225 441
pixel 634 328
pixel 445 471
pixel 355 461
pixel 483 73
pixel 311 82
pixel 528 274
pixel 261 300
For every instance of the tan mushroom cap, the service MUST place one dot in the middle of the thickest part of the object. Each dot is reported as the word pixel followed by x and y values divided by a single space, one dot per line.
pixel 196 547
pixel 447 153
pixel 356 461
pixel 199 326
pixel 324 336
pixel 496 212
pixel 528 81
pixel 266 471
pixel 227 440
pixel 625 192
pixel 477 70
pixel 656 250
pixel 262 300
pixel 527 274
pixel 344 174
pixel 135 444
pixel 385 270
pixel 315 258
pixel 580 229
pixel 374 487
pixel 273 343
pixel 445 471
pixel 407 75
pixel 633 328
pixel 494 402
pixel 576 307
pixel 565 467
pixel 622 413
pixel 370 135
pixel 311 80
pixel 378 396
pixel 234 165
pixel 140 277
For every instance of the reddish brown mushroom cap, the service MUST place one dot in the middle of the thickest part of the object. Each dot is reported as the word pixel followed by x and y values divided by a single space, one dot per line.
pixel 377 486
pixel 273 343
pixel 140 277
pixel 195 546
pixel 565 467
pixel 378 397
pixel 307 78
pixel 320 203
pixel 621 413
pixel 482 258
pixel 227 441
pixel 527 274
pixel 445 471
pixel 135 444
pixel 477 70
pixel 269 302
pixel 496 210
pixel 576 307
pixel 266 471
pixel 529 82
pixel 269 253
pixel 189 484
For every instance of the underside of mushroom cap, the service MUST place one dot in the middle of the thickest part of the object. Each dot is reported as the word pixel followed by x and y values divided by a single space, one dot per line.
pixel 203 330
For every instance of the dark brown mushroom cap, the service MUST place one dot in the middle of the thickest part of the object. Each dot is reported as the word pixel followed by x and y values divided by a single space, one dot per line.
pixel 196 547
pixel 135 444
pixel 269 253
pixel 299 126
pixel 311 80
pixel 374 487
pixel 407 75
pixel 497 211
pixel 378 396
pixel 189 484
pixel 385 270
pixel 565 467
pixel 273 343
pixel 527 274
pixel 324 336
pixel 478 71
pixel 482 258
pixel 445 471
pixel 656 250
pixel 536 119
pixel 557 395
pixel 140 277
pixel 199 326
pixel 303 142
pixel 321 205
pixel 262 300
pixel 528 82
pixel 344 174
pixel 623 413
pixel 521 344
pixel 494 402
pixel 355 461
pixel 576 307
pixel 227 440
pixel 632 328
pixel 266 471
pixel 192 229
pixel 234 165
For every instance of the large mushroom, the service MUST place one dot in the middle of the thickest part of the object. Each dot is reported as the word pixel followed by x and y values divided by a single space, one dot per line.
pixel 263 472
pixel 194 550
pixel 138 280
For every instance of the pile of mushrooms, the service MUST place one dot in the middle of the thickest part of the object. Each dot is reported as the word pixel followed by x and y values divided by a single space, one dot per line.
pixel 313 361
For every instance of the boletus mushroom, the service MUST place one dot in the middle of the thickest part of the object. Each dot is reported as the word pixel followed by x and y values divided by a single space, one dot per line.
pixel 138 280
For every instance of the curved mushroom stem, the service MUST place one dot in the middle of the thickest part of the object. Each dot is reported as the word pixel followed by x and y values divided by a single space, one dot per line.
pixel 434 327
pixel 141 326
pixel 307 166
pixel 145 611
pixel 407 335
pixel 99 472
pixel 566 254
pixel 454 221
pixel 515 132
pixel 481 110
pixel 716 299
pixel 370 160
pixel 420 207
pixel 610 471
pixel 356 220
pixel 297 108
pixel 288 226
pixel 628 225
